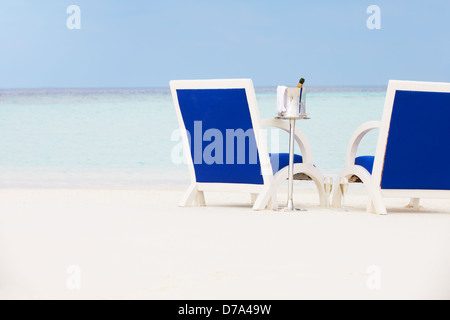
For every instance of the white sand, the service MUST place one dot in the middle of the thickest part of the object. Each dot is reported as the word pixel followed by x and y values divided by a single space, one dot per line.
pixel 138 244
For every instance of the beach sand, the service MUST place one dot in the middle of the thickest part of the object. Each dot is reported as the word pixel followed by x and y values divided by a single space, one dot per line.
pixel 138 244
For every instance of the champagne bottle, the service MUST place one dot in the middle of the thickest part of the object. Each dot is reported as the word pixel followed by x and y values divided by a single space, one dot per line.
pixel 300 86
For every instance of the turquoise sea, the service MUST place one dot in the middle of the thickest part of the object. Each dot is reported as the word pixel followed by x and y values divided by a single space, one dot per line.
pixel 124 137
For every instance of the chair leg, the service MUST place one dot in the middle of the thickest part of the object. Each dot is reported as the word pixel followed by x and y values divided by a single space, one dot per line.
pixel 270 192
pixel 414 203
pixel 264 197
pixel 336 196
pixel 318 179
pixel 376 204
pixel 274 202
pixel 253 197
pixel 192 194
pixel 200 199
pixel 370 207
pixel 269 205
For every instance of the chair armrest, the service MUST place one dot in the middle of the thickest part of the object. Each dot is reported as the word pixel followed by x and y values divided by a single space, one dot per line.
pixel 356 138
pixel 300 137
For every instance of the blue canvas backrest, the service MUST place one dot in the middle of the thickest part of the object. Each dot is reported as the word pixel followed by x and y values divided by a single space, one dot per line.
pixel 222 141
pixel 417 151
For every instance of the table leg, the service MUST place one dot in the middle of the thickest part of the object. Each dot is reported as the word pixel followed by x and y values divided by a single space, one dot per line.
pixel 290 205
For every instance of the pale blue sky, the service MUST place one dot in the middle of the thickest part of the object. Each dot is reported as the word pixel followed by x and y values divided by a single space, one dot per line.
pixel 139 43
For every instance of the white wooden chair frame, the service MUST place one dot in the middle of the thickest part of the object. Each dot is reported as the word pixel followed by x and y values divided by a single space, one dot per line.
pixel 265 195
pixel 373 181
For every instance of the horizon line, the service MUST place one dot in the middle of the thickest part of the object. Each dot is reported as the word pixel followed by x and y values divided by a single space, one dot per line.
pixel 168 88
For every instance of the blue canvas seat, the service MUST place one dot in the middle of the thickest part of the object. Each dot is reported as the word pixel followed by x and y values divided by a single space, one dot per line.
pixel 283 160
pixel 415 121
pixel 225 145
pixel 366 162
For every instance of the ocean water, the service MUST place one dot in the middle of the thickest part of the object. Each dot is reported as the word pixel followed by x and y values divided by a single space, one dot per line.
pixel 122 137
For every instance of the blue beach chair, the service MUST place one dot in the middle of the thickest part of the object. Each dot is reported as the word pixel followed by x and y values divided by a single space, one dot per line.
pixel 225 144
pixel 412 156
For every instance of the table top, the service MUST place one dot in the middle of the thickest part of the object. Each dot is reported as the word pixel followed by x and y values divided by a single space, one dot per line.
pixel 304 117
